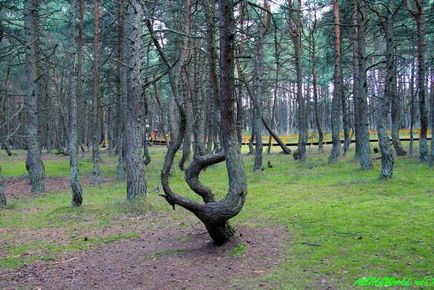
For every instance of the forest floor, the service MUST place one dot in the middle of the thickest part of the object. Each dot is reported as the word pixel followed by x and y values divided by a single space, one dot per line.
pixel 304 225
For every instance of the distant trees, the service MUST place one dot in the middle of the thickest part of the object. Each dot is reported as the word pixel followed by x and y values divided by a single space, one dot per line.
pixel 108 80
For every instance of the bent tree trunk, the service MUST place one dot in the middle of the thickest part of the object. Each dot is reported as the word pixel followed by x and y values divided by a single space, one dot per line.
pixel 2 193
pixel 135 170
pixel 77 198
pixel 214 214
pixel 34 164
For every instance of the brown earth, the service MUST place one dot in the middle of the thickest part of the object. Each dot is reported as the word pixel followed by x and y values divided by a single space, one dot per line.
pixel 170 258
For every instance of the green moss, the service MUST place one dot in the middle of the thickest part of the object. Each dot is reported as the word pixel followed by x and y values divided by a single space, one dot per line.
pixel 342 223
pixel 238 250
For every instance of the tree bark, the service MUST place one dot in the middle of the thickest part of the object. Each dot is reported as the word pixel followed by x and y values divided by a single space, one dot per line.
pixel 96 179
pixel 2 193
pixel 337 89
pixel 122 91
pixel 215 215
pixel 295 33
pixel 383 104
pixel 419 15
pixel 74 181
pixel 361 90
pixel 135 170
pixel 315 88
pixel 34 164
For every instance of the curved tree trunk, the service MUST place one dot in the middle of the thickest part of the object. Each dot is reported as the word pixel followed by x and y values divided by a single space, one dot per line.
pixel 135 170
pixel 77 198
pixel 34 164
pixel 214 214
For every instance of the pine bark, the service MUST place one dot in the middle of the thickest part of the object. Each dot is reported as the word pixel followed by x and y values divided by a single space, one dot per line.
pixel 74 181
pixel 337 89
pixel 2 193
pixel 135 170
pixel 96 179
pixel 419 16
pixel 34 164
pixel 361 90
pixel 384 100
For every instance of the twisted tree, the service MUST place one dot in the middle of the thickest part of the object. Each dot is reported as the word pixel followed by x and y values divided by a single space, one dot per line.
pixel 214 214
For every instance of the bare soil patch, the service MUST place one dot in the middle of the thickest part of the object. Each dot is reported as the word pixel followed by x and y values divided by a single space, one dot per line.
pixel 170 258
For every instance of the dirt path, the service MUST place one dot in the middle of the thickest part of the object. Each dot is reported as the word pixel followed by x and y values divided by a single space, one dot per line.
pixel 164 259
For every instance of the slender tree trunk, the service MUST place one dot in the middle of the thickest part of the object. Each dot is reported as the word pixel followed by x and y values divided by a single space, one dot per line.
pixel 295 32
pixel 412 110
pixel 362 120
pixel 122 91
pixel 96 179
pixel 135 170
pixel 259 92
pixel 315 89
pixel 74 181
pixel 419 17
pixel 2 193
pixel 384 100
pixel 34 164
pixel 432 114
pixel 212 66
pixel 337 89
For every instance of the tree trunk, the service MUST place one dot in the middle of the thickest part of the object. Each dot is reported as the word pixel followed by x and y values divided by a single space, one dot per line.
pixel 34 164
pixel 74 181
pixel 121 91
pixel 295 32
pixel 419 16
pixel 96 179
pixel 135 170
pixel 215 215
pixel 2 193
pixel 362 120
pixel 315 88
pixel 384 100
pixel 337 89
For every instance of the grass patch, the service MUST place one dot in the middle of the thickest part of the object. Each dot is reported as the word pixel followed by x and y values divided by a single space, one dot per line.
pixel 343 223
pixel 238 250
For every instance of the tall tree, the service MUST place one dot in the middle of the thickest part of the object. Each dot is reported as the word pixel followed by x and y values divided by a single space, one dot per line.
pixel 294 25
pixel 360 88
pixel 383 102
pixel 259 88
pixel 73 51
pixel 337 88
pixel 419 16
pixel 96 179
pixel 2 193
pixel 34 164
pixel 214 214
pixel 315 82
pixel 135 170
